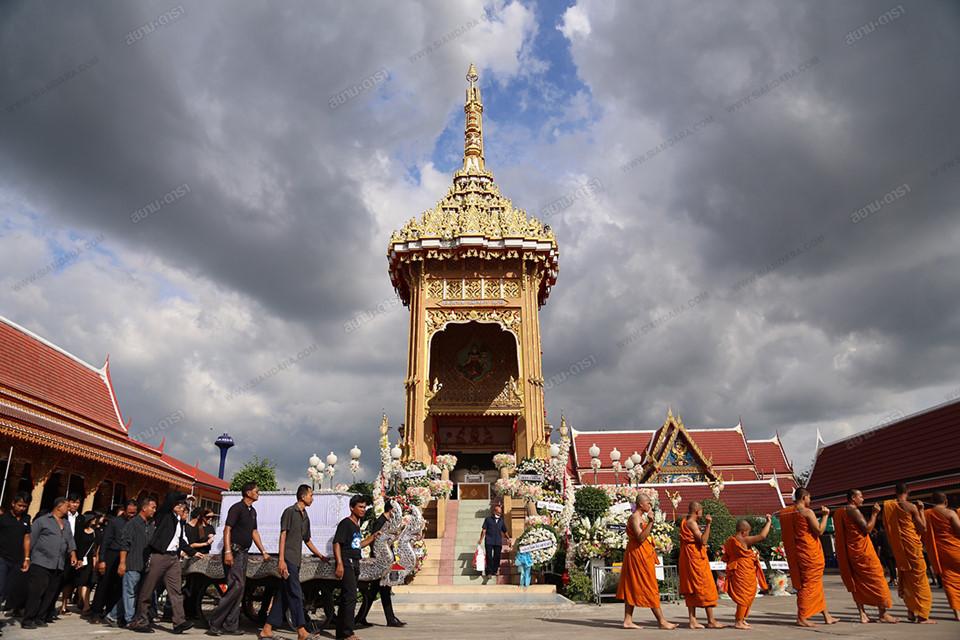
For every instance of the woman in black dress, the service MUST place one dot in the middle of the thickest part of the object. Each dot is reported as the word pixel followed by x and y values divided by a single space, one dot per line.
pixel 88 545
pixel 200 537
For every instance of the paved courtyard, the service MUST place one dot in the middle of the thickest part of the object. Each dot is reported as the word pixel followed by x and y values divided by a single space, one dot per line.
pixel 771 618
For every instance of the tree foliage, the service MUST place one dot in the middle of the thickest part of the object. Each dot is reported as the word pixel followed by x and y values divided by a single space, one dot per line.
pixel 591 503
pixel 723 526
pixel 361 488
pixel 259 470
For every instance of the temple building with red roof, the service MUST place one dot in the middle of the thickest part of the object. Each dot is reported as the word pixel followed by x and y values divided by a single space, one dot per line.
pixel 60 418
pixel 921 450
pixel 752 476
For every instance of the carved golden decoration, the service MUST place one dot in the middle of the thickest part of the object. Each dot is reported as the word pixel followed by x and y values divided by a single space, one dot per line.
pixel 473 289
pixel 511 288
pixel 435 289
pixel 437 319
pixel 454 290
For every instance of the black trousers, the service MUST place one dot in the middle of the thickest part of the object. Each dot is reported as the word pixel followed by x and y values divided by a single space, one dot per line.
pixel 109 588
pixel 43 585
pixel 226 617
pixel 348 597
pixel 386 599
pixel 493 559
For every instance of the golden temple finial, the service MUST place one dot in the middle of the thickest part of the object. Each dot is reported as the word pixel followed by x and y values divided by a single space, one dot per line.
pixel 473 130
pixel 384 425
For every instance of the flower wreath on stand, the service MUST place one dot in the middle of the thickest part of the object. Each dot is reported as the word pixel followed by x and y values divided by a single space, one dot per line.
pixel 505 461
pixel 446 461
pixel 540 542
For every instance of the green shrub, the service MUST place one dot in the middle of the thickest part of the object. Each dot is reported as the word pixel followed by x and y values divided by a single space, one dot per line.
pixel 773 538
pixel 580 588
pixel 591 503
pixel 361 488
pixel 723 526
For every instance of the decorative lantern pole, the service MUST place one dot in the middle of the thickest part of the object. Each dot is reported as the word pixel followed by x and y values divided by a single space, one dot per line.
pixel 628 465
pixel 554 451
pixel 355 462
pixel 615 459
pixel 315 471
pixel 331 467
pixel 595 460
pixel 395 454
pixel 637 459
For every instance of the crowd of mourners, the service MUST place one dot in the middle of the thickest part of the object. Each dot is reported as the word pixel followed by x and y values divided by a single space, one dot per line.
pixel 112 568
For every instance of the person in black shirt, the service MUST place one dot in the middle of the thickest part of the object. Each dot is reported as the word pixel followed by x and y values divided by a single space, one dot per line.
pixel 347 542
pixel 374 587
pixel 200 538
pixel 109 588
pixel 492 536
pixel 85 537
pixel 14 546
pixel 239 530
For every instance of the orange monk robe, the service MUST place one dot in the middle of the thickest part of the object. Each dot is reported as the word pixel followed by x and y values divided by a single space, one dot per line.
pixel 638 576
pixel 912 583
pixel 696 580
pixel 860 567
pixel 744 574
pixel 805 557
pixel 943 550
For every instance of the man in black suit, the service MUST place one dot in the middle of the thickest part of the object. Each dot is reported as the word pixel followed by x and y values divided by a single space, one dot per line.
pixel 373 587
pixel 166 545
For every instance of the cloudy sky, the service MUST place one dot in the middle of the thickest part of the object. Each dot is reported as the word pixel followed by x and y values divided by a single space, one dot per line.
pixel 756 205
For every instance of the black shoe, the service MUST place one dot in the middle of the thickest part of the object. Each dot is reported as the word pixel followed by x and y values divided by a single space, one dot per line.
pixel 235 632
pixel 396 622
pixel 41 623
pixel 362 625
pixel 183 626
pixel 28 625
pixel 141 628
pixel 214 632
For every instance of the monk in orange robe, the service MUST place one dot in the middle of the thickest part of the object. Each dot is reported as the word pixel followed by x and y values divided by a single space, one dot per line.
pixel 860 567
pixel 638 576
pixel 905 524
pixel 744 573
pixel 801 540
pixel 942 541
pixel 696 580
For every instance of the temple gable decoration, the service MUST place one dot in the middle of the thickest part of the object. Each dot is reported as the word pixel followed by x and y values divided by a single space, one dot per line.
pixel 674 456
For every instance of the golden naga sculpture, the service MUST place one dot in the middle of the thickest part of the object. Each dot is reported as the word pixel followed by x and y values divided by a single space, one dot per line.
pixel 474 219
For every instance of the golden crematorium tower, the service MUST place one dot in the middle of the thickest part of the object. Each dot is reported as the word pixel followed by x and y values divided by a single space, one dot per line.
pixel 474 271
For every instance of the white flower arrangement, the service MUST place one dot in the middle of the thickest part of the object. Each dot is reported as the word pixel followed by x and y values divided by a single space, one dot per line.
pixel 508 487
pixel 595 464
pixel 440 488
pixel 505 460
pixel 354 466
pixel 537 535
pixel 434 471
pixel 532 521
pixel 447 461
pixel 418 496
pixel 342 487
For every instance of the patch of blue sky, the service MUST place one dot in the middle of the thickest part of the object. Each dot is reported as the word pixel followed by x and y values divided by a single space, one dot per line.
pixel 534 106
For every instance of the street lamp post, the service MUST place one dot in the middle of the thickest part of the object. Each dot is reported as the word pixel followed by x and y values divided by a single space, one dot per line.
pixel 595 460
pixel 395 454
pixel 354 462
pixel 636 458
pixel 615 459
pixel 331 467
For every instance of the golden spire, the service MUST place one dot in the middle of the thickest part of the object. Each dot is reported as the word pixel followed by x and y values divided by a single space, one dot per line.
pixel 473 130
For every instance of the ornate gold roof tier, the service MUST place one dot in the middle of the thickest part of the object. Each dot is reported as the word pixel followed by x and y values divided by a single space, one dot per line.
pixel 474 220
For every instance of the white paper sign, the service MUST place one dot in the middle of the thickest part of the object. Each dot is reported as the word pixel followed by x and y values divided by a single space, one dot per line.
pixel 473 477
pixel 659 569
pixel 763 565
pixel 621 507
pixel 779 564
pixel 326 512
pixel 419 473
pixel 530 477
pixel 718 566
pixel 549 506
pixel 534 546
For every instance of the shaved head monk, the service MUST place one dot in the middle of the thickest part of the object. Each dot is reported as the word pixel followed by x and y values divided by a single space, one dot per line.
pixel 860 567
pixel 744 573
pixel 801 540
pixel 638 577
pixel 905 525
pixel 943 548
pixel 696 580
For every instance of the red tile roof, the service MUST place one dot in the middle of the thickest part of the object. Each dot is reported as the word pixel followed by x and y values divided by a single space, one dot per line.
pixel 201 476
pixel 917 448
pixel 625 441
pixel 31 366
pixel 742 498
pixel 736 474
pixel 768 456
pixel 725 446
